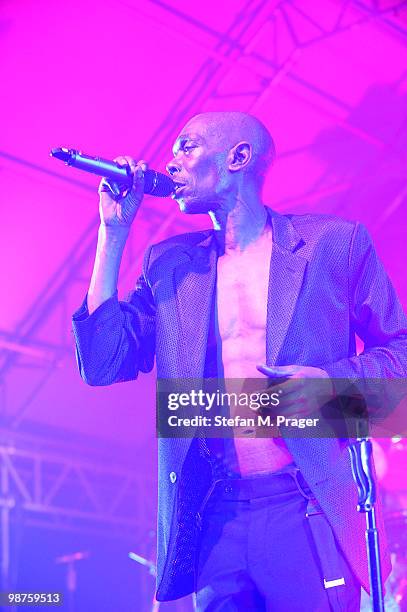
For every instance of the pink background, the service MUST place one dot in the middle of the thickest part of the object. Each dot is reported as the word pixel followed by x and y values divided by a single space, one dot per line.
pixel 329 78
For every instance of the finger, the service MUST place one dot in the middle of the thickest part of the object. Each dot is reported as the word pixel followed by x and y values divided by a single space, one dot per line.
pixel 104 186
pixel 290 386
pixel 132 165
pixel 295 402
pixel 288 404
pixel 278 371
pixel 109 187
pixel 142 164
pixel 138 177
pixel 122 161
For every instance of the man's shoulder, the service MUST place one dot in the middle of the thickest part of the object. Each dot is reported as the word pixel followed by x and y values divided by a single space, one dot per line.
pixel 312 227
pixel 187 239
pixel 322 222
pixel 327 235
pixel 170 247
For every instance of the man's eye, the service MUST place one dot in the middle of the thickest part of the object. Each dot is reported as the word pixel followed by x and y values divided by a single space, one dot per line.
pixel 188 148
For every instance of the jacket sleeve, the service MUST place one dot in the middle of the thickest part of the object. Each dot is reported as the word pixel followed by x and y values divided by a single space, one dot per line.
pixel 117 341
pixel 377 317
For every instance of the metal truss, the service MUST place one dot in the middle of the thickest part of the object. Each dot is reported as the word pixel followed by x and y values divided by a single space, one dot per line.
pixel 62 490
pixel 21 348
pixel 236 49
pixel 64 483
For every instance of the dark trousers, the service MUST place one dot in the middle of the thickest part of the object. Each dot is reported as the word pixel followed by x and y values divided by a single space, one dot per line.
pixel 259 552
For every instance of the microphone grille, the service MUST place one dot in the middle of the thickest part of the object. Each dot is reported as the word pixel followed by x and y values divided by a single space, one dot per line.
pixel 158 184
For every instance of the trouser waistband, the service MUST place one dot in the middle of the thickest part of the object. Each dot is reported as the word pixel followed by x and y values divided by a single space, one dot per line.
pixel 254 487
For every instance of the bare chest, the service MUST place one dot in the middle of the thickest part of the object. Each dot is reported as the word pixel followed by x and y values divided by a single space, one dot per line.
pixel 242 288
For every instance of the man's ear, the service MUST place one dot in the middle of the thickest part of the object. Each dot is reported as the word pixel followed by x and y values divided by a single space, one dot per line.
pixel 239 156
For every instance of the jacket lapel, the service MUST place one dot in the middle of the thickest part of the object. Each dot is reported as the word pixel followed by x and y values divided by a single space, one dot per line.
pixel 287 269
pixel 194 284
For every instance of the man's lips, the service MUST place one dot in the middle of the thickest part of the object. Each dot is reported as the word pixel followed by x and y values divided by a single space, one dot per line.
pixel 179 188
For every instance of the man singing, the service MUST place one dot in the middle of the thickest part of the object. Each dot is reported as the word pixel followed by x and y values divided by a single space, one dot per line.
pixel 248 523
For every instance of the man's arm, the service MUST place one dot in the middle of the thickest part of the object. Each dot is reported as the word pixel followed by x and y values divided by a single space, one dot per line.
pixel 105 275
pixel 115 340
pixel 376 316
pixel 116 218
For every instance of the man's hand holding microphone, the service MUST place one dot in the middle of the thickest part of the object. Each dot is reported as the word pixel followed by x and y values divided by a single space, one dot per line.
pixel 119 204
pixel 118 208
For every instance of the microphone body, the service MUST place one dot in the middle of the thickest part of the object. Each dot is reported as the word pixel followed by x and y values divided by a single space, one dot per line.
pixel 155 183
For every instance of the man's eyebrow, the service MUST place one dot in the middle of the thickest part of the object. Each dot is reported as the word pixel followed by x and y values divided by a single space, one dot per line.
pixel 183 138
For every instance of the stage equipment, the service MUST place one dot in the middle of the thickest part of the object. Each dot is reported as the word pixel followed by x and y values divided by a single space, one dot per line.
pixel 71 574
pixel 361 456
pixel 152 568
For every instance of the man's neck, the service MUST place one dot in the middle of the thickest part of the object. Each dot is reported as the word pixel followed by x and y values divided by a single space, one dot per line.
pixel 238 228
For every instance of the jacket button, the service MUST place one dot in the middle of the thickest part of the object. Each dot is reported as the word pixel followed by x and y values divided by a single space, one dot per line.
pixel 173 477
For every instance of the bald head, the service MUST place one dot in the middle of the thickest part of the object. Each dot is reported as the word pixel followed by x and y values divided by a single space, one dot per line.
pixel 220 161
pixel 228 129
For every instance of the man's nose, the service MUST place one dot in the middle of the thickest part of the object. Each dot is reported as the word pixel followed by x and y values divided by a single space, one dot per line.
pixel 172 167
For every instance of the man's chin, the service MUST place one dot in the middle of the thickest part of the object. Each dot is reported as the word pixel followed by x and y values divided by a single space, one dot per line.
pixel 193 206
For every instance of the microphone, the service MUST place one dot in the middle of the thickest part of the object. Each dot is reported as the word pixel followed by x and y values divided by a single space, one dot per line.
pixel 155 183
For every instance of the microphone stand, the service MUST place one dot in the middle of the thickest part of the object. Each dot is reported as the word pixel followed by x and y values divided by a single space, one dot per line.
pixel 71 574
pixel 152 569
pixel 361 458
